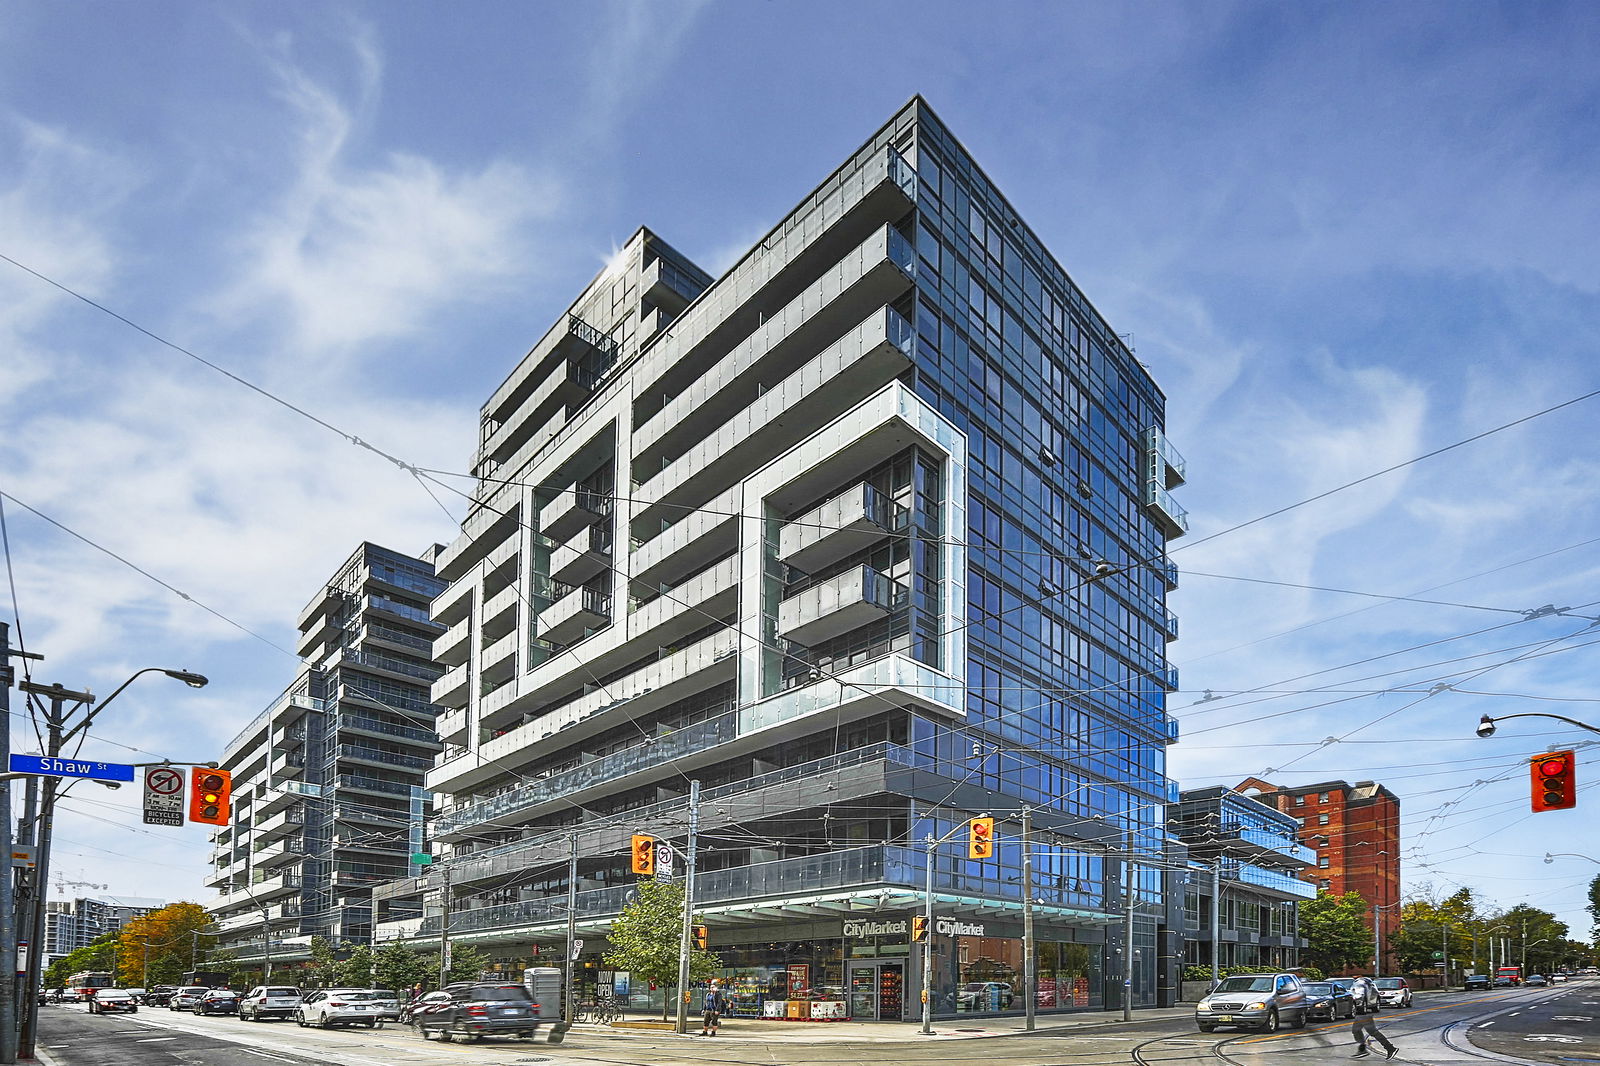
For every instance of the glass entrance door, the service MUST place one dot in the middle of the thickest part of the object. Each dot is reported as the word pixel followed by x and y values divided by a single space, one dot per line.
pixel 891 991
pixel 864 991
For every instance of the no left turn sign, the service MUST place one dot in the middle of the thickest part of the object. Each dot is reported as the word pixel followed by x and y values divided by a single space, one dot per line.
pixel 163 796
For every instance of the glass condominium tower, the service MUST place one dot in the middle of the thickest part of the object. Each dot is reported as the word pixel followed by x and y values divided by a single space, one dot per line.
pixel 867 536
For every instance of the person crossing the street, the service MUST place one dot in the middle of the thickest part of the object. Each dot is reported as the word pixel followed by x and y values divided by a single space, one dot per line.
pixel 1363 1028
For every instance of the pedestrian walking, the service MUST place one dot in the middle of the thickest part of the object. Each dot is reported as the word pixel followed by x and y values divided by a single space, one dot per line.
pixel 711 1011
pixel 1365 1029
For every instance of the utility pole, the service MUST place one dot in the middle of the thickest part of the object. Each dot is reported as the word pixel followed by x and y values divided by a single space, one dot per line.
pixel 8 890
pixel 568 1015
pixel 687 945
pixel 1030 975
pixel 927 944
pixel 444 933
pixel 55 718
pixel 1216 920
pixel 1129 875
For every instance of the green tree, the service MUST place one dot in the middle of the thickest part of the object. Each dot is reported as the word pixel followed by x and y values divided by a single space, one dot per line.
pixel 355 970
pixel 400 967
pixel 467 963
pixel 1335 928
pixel 1594 909
pixel 323 970
pixel 98 954
pixel 647 935
pixel 1429 926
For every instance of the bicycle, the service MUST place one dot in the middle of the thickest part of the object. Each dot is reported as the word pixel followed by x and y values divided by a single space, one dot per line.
pixel 603 1013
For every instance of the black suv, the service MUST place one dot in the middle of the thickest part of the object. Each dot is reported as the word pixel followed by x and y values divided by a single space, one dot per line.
pixel 476 1010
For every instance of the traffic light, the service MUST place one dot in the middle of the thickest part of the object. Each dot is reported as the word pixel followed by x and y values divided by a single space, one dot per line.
pixel 980 838
pixel 919 928
pixel 644 855
pixel 1552 779
pixel 210 795
pixel 700 938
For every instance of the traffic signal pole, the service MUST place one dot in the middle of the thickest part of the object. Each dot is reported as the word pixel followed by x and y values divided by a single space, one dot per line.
pixel 687 945
pixel 8 875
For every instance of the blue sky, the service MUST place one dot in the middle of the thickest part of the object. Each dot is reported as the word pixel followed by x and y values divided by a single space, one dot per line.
pixel 1342 235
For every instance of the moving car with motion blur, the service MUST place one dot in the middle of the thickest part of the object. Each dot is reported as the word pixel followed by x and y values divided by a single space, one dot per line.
pixel 1477 982
pixel 1363 991
pixel 269 1001
pixel 1535 980
pixel 1326 1000
pixel 1263 1001
pixel 184 998
pixel 478 1010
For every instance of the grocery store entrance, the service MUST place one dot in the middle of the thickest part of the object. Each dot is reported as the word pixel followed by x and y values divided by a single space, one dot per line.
pixel 877 991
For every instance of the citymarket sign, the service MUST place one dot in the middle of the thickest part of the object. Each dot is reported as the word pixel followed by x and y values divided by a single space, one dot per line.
pixel 860 930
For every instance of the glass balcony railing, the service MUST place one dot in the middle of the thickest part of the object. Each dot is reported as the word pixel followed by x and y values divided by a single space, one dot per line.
pixel 690 740
pixel 390 758
pixel 374 725
pixel 416 614
pixel 1272 880
pixel 372 784
pixel 902 174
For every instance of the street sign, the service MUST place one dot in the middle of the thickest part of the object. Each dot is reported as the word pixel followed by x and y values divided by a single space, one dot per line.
pixel 1438 956
pixel 663 859
pixel 163 796
pixel 100 771
pixel 577 949
pixel 421 858
pixel 22 857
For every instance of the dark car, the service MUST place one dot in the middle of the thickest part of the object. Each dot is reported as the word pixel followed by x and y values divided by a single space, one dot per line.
pixel 158 996
pixel 427 1004
pixel 218 1001
pixel 478 1010
pixel 1478 982
pixel 1536 980
pixel 1327 1000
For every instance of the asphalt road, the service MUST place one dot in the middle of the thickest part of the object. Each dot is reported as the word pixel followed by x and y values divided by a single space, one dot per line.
pixel 1440 1030
pixel 1559 1025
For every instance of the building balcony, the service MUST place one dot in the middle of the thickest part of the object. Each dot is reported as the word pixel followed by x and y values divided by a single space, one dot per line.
pixel 1265 845
pixel 850 522
pixel 288 765
pixel 284 822
pixel 451 690
pixel 866 358
pixel 362 755
pixel 451 606
pixel 667 287
pixel 871 275
pixel 1273 883
pixel 455 646
pixel 388 638
pixel 571 511
pixel 284 793
pixel 283 884
pixel 279 853
pixel 452 725
pixel 363 725
pixel 484 530
pixel 610 772
pixel 1163 464
pixel 1169 625
pixel 289 737
pixel 690 544
pixel 700 665
pixel 499 660
pixel 855 598
pixel 567 619
pixel 1169 573
pixel 574 368
pixel 499 615
pixel 389 666
pixel 1169 517
pixel 377 786
pixel 586 554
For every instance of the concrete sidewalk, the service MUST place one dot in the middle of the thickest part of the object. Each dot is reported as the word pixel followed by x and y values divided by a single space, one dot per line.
pixel 775 1032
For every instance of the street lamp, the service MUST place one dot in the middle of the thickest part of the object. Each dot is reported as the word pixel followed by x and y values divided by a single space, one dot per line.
pixel 1487 725
pixel 1552 856
pixel 39 827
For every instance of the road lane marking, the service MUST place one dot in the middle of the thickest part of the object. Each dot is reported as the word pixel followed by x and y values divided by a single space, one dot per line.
pixel 1407 1014
pixel 265 1055
pixel 154 1039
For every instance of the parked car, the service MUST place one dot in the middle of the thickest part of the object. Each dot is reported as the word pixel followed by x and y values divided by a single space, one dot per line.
pixel 1393 991
pixel 1478 982
pixel 184 998
pixel 1254 1001
pixel 327 1007
pixel 158 996
pixel 478 1010
pixel 218 1001
pixel 112 1001
pixel 269 1001
pixel 1326 1000
pixel 388 1004
pixel 1535 980
pixel 137 994
pixel 1363 991
pixel 1504 981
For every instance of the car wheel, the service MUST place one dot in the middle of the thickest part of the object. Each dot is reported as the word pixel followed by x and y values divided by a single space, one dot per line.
pixel 444 1036
pixel 1300 1020
pixel 1271 1024
pixel 300 1019
pixel 325 1023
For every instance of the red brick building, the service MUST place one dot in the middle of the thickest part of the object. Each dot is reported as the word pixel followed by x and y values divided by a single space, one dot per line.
pixel 1355 831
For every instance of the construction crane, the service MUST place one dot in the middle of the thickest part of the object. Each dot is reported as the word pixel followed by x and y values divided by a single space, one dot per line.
pixel 63 885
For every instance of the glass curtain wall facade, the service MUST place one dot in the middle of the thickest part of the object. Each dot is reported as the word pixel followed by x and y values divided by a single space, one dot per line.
pixel 867 536
pixel 327 797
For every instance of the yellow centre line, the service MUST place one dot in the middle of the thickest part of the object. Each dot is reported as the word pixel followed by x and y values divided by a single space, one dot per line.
pixel 1407 1014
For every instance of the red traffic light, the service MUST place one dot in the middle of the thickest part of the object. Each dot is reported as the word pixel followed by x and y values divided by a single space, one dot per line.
pixel 980 838
pixel 1553 781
